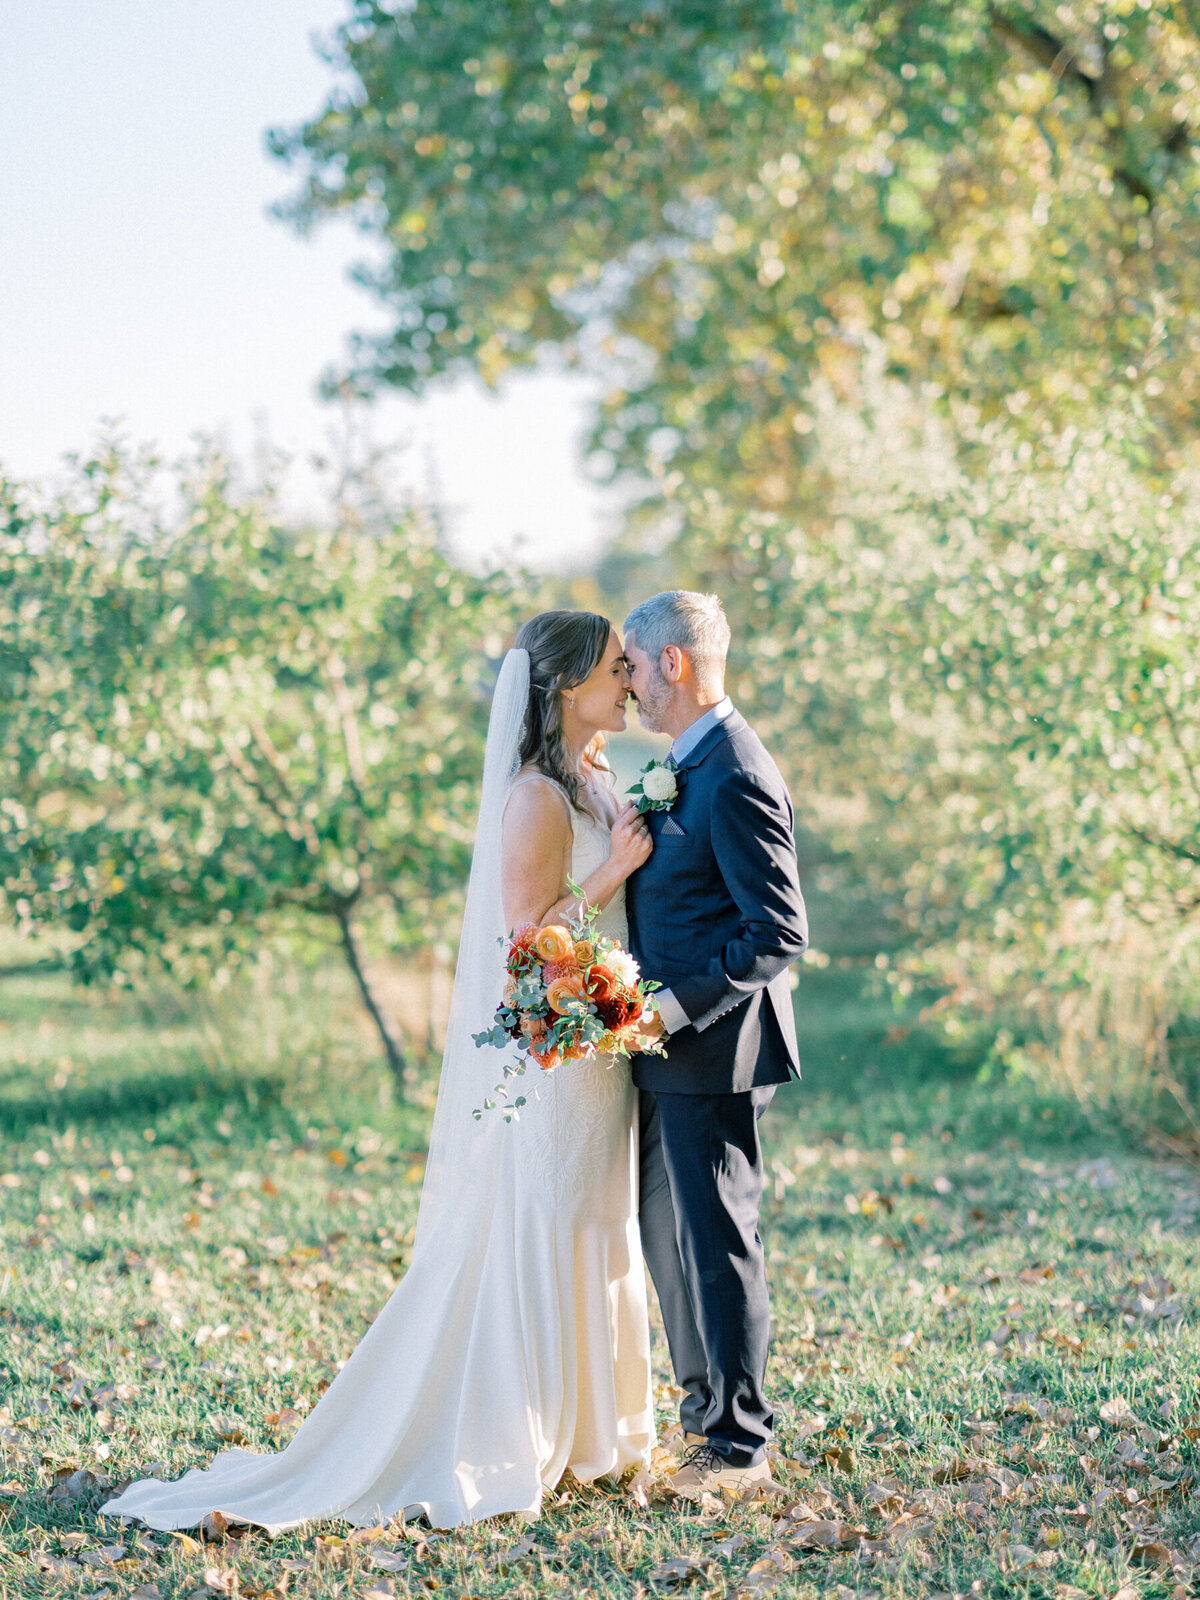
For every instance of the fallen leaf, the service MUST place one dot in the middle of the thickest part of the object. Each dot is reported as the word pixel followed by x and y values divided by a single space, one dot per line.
pixel 679 1570
pixel 766 1574
pixel 1017 1558
pixel 1152 1553
pixel 639 1489
pixel 388 1561
pixel 72 1485
pixel 1036 1274
pixel 824 1534
pixel 104 1556
pixel 521 1551
pixel 884 1496
pixel 1116 1411
pixel 727 1547
pixel 228 1427
pixel 187 1544
pixel 56 1566
pixel 951 1471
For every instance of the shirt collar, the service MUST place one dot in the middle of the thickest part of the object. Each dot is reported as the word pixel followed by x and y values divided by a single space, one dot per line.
pixel 691 737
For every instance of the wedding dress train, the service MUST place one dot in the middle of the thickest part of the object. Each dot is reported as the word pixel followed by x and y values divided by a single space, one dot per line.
pixel 517 1344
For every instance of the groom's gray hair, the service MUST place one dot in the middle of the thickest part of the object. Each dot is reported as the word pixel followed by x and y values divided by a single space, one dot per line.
pixel 693 622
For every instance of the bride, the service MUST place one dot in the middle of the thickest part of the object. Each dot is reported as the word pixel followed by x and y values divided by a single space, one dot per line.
pixel 517 1344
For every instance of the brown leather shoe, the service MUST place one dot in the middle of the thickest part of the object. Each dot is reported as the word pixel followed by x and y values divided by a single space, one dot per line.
pixel 704 1472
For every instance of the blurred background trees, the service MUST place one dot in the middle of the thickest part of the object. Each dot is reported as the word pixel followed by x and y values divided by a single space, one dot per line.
pixel 732 200
pixel 897 307
pixel 218 730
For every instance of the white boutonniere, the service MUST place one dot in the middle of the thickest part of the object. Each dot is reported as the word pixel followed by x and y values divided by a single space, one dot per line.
pixel 657 789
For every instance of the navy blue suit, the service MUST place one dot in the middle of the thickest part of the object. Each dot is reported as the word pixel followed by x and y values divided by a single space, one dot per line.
pixel 716 915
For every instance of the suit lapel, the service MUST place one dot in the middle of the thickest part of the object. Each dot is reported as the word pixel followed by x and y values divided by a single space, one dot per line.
pixel 733 723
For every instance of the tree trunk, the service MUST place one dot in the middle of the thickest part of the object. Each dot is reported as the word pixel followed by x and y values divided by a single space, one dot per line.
pixel 389 1034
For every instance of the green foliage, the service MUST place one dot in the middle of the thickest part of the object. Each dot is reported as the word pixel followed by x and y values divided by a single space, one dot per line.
pixel 215 728
pixel 733 199
pixel 806 241
pixel 986 665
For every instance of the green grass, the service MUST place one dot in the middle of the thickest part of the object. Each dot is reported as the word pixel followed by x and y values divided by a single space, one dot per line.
pixel 203 1207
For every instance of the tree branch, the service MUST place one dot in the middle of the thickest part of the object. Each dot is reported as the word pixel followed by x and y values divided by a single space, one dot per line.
pixel 1181 748
pixel 1062 62
pixel 1182 852
pixel 1059 59
pixel 389 1034
pixel 297 826
pixel 344 705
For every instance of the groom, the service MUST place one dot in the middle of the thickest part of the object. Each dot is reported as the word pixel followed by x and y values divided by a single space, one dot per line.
pixel 716 916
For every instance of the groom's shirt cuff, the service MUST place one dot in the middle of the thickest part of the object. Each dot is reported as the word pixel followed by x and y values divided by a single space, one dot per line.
pixel 673 1015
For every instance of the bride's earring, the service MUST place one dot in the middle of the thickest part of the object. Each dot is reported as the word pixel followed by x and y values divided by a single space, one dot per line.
pixel 571 701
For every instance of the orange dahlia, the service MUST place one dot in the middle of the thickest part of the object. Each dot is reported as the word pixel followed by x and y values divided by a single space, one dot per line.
pixel 601 983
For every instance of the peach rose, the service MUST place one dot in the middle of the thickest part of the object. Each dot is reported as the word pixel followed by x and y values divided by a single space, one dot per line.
pixel 585 952
pixel 554 943
pixel 566 994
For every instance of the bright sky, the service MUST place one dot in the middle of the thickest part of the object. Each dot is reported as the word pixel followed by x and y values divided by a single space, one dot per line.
pixel 141 278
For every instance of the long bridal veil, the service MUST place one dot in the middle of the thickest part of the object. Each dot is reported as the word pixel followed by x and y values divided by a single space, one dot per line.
pixel 464 1152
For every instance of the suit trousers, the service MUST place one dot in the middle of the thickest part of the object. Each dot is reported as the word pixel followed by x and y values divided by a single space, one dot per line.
pixel 701 1188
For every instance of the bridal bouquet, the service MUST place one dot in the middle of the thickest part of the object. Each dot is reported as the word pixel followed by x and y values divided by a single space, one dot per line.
pixel 571 993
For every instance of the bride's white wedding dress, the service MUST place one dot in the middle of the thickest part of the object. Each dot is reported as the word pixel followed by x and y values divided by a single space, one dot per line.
pixel 517 1345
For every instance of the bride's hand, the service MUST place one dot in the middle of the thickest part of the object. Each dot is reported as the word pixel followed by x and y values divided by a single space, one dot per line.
pixel 631 842
pixel 650 1031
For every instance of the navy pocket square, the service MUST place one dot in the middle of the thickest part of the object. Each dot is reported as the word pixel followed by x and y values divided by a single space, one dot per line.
pixel 671 826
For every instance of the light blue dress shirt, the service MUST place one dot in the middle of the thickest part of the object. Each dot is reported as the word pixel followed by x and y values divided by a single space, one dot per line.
pixel 673 1015
pixel 691 737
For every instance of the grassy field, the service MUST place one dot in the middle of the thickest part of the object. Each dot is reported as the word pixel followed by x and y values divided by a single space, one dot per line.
pixel 985 1360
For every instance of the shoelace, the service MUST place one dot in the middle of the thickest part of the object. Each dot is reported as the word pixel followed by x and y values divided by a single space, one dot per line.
pixel 704 1457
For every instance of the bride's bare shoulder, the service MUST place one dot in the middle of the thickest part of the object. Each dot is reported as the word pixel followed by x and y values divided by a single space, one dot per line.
pixel 536 802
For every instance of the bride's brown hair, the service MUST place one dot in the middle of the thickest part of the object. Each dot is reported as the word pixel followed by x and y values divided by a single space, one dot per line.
pixel 565 647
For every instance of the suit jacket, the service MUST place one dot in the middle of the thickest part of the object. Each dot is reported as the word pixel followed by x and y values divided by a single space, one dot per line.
pixel 717 916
